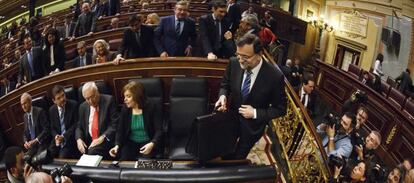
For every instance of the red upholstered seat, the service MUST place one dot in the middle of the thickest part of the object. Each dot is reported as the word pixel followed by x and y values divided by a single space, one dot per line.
pixel 397 98
pixel 354 71
pixel 114 44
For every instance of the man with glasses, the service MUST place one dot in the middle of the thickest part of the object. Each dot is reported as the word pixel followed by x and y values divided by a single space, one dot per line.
pixel 137 41
pixel 176 35
pixel 84 58
pixel 256 90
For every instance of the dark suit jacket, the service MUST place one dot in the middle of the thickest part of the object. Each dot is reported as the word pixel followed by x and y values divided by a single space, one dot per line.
pixel 208 35
pixel 108 117
pixel 62 30
pixel 112 8
pixel 24 70
pixel 59 56
pixel 131 46
pixel 85 24
pixel 152 126
pixel 109 57
pixel 234 16
pixel 76 61
pixel 70 120
pixel 165 38
pixel 41 124
pixel 405 81
pixel 267 94
pixel 312 99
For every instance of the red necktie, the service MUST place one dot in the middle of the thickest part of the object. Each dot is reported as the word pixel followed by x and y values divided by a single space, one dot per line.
pixel 95 124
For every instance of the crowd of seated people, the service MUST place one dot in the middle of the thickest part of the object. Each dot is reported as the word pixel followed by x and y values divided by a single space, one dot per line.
pixel 152 37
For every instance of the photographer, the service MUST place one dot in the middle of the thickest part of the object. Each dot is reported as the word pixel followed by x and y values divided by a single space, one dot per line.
pixel 355 173
pixel 338 142
pixel 15 166
pixel 364 150
pixel 352 104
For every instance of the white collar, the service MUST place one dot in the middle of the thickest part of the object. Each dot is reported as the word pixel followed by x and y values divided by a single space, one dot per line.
pixel 256 69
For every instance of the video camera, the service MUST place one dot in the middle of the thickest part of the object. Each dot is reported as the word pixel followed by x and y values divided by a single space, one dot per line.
pixel 359 96
pixel 56 173
pixel 357 139
pixel 335 161
pixel 332 120
pixel 378 173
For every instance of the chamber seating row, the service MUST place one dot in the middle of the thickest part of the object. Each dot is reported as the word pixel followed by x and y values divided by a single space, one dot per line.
pixel 188 99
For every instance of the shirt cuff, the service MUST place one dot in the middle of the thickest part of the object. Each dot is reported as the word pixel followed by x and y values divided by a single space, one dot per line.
pixel 254 114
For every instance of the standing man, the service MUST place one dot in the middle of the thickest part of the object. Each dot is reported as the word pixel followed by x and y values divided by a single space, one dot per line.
pixel 63 120
pixel 307 96
pixel 137 40
pixel 297 73
pixel 86 22
pixel 97 122
pixel 31 66
pixel 233 15
pixel 405 81
pixel 214 33
pixel 111 7
pixel 176 35
pixel 84 57
pixel 37 127
pixel 256 90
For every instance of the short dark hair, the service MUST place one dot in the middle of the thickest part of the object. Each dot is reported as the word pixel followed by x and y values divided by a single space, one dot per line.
pixel 250 39
pixel 353 118
pixel 307 79
pixel 219 4
pixel 10 156
pixel 57 89
pixel 138 93
pixel 407 70
pixel 135 18
pixel 380 57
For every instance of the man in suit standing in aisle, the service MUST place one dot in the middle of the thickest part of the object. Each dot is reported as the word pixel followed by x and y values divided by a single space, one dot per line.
pixel 307 96
pixel 63 117
pixel 233 15
pixel 86 22
pixel 214 33
pixel 31 66
pixel 176 35
pixel 97 122
pixel 84 57
pixel 36 126
pixel 137 41
pixel 256 90
pixel 111 7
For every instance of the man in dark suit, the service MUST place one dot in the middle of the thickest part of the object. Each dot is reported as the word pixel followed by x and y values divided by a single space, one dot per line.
pixel 36 126
pixel 175 35
pixel 405 81
pixel 31 66
pixel 66 30
pixel 307 96
pixel 97 122
pixel 257 92
pixel 86 22
pixel 63 117
pixel 213 28
pixel 111 7
pixel 297 73
pixel 233 15
pixel 83 58
pixel 137 41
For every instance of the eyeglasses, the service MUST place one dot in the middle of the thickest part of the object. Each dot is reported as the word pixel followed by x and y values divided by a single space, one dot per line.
pixel 244 57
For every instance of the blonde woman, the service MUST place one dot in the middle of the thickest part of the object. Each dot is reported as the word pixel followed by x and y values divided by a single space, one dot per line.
pixel 101 53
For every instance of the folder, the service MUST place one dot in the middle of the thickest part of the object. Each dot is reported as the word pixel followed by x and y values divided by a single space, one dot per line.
pixel 213 135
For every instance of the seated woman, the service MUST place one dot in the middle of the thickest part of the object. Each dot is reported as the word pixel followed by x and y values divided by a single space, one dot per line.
pixel 138 133
pixel 101 53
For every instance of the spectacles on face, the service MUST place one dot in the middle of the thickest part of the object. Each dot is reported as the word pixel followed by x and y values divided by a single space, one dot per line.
pixel 244 57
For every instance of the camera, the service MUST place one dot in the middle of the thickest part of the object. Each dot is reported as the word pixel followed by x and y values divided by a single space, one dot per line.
pixel 359 96
pixel 335 161
pixel 332 120
pixel 358 140
pixel 56 173
pixel 378 173
pixel 34 160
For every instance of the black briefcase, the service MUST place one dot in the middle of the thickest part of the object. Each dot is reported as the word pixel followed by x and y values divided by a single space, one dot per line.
pixel 212 136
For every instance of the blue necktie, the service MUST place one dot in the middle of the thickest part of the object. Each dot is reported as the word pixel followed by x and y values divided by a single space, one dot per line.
pixel 82 62
pixel 178 28
pixel 62 123
pixel 30 59
pixel 31 127
pixel 246 84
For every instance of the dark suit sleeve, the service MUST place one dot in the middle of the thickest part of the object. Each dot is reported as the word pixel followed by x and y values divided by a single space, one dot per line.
pixel 205 41
pixel 117 6
pixel 76 29
pixel 121 127
pixel 75 62
pixel 93 26
pixel 225 82
pixel 73 123
pixel 193 34
pixel 62 56
pixel 52 121
pixel 80 127
pixel 157 126
pixel 25 137
pixel 124 44
pixel 45 124
pixel 113 113
pixel 157 36
pixel 278 101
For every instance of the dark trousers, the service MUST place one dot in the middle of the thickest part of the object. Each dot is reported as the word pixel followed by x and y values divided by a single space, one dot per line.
pixel 67 151
pixel 101 149
pixel 130 151
pixel 246 141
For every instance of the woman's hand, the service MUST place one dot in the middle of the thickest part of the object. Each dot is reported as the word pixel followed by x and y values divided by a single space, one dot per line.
pixel 114 151
pixel 147 148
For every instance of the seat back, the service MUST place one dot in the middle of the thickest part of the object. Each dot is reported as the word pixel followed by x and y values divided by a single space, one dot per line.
pixel 409 109
pixel 71 93
pixel 397 98
pixel 41 102
pixel 188 99
pixel 391 82
pixel 354 71
pixel 102 88
pixel 114 44
pixel 385 88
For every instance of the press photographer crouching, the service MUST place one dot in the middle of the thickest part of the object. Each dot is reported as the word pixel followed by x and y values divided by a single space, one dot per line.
pixel 335 133
pixel 21 167
pixel 350 173
pixel 364 149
